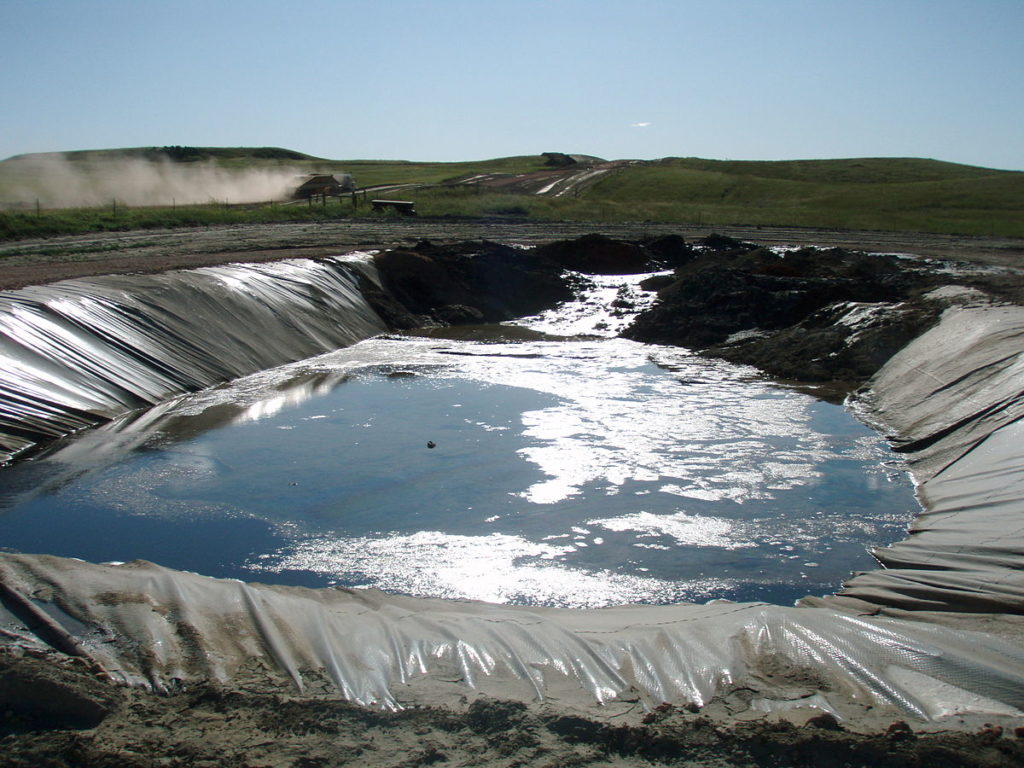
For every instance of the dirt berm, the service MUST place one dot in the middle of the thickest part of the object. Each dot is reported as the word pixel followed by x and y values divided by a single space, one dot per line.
pixel 57 714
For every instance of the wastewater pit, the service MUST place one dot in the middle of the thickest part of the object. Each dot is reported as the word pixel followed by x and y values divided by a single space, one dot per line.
pixel 544 462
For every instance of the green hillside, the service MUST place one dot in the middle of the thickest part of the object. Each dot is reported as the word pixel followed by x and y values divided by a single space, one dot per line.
pixel 871 193
pixel 865 193
pixel 865 170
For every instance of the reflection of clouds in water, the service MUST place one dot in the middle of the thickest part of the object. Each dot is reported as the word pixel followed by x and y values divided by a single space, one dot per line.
pixel 496 568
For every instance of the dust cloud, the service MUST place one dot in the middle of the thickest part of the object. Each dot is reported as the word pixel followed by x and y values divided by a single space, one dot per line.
pixel 57 182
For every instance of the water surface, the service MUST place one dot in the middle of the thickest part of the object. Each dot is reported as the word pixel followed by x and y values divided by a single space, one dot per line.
pixel 586 472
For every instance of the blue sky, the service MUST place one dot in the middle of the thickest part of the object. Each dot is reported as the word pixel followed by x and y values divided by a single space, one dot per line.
pixel 466 80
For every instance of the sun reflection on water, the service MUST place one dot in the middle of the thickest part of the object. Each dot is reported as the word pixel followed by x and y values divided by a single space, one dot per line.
pixel 723 435
pixel 497 568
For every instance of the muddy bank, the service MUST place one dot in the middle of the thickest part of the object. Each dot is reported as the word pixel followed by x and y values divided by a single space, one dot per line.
pixel 809 314
pixel 465 283
pixel 829 316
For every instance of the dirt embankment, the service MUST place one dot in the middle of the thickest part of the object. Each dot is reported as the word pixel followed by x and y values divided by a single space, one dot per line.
pixel 55 713
pixel 31 262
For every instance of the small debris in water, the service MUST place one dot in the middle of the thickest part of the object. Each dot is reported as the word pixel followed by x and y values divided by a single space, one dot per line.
pixel 431 444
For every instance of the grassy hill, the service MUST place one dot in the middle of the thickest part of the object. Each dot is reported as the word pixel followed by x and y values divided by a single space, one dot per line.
pixel 869 193
pixel 866 193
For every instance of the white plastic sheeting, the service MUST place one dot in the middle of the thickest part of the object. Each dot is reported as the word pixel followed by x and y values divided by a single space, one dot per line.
pixel 78 352
pixel 147 624
pixel 954 398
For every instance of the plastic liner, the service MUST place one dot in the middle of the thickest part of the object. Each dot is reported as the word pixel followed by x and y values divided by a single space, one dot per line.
pixel 955 398
pixel 145 624
pixel 952 400
pixel 79 352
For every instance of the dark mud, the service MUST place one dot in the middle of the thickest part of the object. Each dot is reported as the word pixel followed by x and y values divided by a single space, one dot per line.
pixel 820 315
pixel 466 283
pixel 829 315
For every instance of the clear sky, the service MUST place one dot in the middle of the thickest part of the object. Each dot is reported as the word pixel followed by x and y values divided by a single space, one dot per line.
pixel 475 79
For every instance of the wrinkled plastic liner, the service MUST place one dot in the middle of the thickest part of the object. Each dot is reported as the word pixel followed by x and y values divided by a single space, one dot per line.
pixel 157 627
pixel 77 353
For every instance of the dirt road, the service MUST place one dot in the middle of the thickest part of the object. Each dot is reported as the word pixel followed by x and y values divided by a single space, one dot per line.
pixel 31 262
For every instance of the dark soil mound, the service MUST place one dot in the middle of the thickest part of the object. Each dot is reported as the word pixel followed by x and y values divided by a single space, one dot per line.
pixel 709 304
pixel 810 314
pixel 598 255
pixel 465 283
pixel 669 251
pixel 825 348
